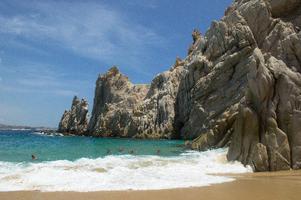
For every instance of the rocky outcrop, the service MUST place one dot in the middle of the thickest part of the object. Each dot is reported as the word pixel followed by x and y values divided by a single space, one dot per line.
pixel 214 82
pixel 156 113
pixel 273 96
pixel 254 50
pixel 75 120
pixel 239 86
pixel 122 109
pixel 114 102
pixel 266 133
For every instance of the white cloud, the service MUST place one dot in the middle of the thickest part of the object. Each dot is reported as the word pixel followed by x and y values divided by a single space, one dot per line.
pixel 88 29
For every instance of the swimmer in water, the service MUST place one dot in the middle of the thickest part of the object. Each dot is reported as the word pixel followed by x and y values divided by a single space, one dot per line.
pixel 158 152
pixel 33 157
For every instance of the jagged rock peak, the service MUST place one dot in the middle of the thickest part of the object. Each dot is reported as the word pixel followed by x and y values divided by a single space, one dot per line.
pixel 123 109
pixel 179 62
pixel 114 95
pixel 113 71
pixel 196 40
pixel 243 88
pixel 75 100
pixel 75 121
pixel 196 35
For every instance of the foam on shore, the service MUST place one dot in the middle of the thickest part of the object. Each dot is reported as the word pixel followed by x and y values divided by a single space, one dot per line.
pixel 190 169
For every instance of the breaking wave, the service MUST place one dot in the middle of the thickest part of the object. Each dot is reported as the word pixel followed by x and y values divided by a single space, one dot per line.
pixel 121 172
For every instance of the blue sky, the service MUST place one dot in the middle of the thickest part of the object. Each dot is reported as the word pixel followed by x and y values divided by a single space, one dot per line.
pixel 53 50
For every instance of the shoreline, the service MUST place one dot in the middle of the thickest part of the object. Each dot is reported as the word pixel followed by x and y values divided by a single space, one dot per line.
pixel 267 185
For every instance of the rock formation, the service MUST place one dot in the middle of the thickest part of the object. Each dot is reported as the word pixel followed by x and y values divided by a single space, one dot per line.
pixel 122 109
pixel 239 86
pixel 114 102
pixel 197 38
pixel 75 121
pixel 258 103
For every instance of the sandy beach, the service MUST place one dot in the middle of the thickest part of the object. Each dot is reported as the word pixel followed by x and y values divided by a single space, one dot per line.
pixel 260 186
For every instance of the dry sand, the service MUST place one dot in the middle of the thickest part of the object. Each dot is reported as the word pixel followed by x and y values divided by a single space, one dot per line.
pixel 255 186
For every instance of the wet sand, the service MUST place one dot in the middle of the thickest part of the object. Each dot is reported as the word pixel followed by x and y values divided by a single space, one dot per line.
pixel 256 186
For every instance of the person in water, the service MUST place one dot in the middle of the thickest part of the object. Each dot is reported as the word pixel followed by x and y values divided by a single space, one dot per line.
pixel 33 157
pixel 158 152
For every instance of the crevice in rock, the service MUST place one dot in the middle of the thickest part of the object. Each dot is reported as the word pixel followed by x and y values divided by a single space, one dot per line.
pixel 233 72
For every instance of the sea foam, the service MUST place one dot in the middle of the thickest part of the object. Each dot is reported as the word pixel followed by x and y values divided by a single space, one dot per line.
pixel 190 169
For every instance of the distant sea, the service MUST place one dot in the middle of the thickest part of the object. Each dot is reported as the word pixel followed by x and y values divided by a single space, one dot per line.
pixel 74 163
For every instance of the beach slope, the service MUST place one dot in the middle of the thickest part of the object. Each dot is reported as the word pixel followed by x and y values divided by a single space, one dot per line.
pixel 261 186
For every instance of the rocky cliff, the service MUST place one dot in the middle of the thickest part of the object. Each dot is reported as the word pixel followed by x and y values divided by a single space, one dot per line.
pixel 252 90
pixel 114 101
pixel 122 109
pixel 75 120
pixel 239 86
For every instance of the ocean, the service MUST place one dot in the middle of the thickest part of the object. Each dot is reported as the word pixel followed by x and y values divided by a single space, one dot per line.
pixel 74 163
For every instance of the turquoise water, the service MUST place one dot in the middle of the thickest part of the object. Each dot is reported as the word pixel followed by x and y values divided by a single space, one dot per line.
pixel 18 146
pixel 96 164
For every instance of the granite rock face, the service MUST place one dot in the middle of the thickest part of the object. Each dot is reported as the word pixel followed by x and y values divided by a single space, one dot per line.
pixel 156 113
pixel 239 86
pixel 250 96
pixel 114 101
pixel 122 109
pixel 75 120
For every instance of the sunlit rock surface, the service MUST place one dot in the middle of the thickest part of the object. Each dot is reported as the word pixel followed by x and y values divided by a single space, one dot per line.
pixel 239 86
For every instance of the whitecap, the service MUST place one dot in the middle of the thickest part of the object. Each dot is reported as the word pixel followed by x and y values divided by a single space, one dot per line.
pixel 123 172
